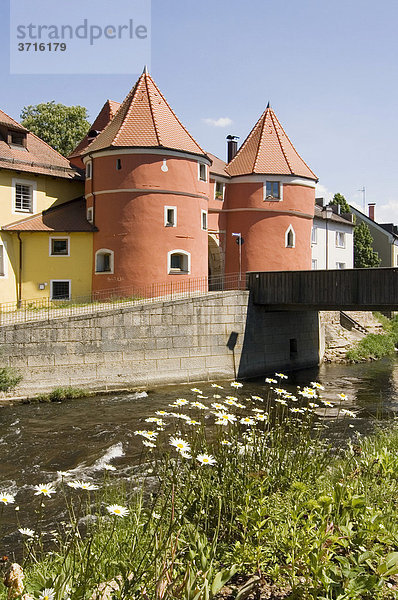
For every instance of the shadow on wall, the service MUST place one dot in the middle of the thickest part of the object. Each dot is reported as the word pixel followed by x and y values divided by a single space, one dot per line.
pixel 277 341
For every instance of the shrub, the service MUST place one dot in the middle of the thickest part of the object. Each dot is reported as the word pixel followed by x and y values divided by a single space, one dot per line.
pixel 9 379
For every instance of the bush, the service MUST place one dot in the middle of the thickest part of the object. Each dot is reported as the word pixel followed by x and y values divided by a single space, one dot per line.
pixel 65 393
pixel 9 379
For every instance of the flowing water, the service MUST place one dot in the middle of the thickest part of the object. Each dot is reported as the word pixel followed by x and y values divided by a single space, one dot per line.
pixel 80 436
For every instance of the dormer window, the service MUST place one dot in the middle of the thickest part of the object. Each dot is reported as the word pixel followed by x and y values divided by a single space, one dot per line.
pixel 272 190
pixel 17 138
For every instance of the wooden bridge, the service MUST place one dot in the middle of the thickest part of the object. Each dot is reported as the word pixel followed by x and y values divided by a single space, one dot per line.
pixel 344 289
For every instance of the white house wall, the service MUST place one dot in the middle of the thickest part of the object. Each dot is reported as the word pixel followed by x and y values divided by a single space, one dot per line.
pixel 325 245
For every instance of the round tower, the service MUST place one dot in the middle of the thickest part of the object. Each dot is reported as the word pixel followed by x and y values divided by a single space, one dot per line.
pixel 269 203
pixel 147 188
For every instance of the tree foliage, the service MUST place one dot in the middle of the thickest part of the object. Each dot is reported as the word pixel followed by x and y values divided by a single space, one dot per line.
pixel 364 255
pixel 62 127
pixel 338 199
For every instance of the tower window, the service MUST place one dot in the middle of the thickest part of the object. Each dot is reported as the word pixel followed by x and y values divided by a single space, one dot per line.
pixel 170 216
pixel 89 169
pixel 118 164
pixel 290 238
pixel 179 261
pixel 104 261
pixel 202 172
pixel 272 190
pixel 204 220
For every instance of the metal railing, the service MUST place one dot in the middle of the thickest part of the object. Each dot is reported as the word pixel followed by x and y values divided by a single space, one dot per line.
pixel 45 309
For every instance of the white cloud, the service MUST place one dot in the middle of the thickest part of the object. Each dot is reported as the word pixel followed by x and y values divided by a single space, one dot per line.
pixel 220 122
pixel 387 213
pixel 322 191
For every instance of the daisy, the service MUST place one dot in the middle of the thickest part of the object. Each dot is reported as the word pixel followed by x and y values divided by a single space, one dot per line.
pixel 196 390
pixel 181 401
pixel 261 417
pixel 231 397
pixel 193 422
pixel 26 531
pixel 230 402
pixel 150 435
pixel 280 391
pixel 214 396
pixel 63 473
pixel 73 484
pixel 148 444
pixel 215 385
pixel 185 454
pixel 343 396
pixel 202 397
pixel 258 398
pixel 247 421
pixel 317 385
pixel 236 384
pixel 296 410
pixel 224 418
pixel 326 403
pixel 116 509
pixel 162 413
pixel 269 380
pixel 258 410
pixel 349 413
pixel 108 467
pixel 43 489
pixel 226 443
pixel 239 405
pixel 281 376
pixel 180 444
pixel 218 406
pixel 154 420
pixel 198 405
pixel 86 485
pixel 313 405
pixel 281 401
pixel 7 498
pixel 47 594
pixel 206 459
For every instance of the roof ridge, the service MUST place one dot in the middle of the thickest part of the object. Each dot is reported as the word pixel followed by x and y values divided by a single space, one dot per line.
pixel 246 140
pixel 261 138
pixel 155 125
pixel 126 101
pixel 272 115
pixel 293 146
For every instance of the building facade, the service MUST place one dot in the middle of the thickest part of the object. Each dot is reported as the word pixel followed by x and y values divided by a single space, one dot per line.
pixel 332 238
pixel 384 235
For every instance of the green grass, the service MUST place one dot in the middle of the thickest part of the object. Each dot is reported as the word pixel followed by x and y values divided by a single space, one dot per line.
pixel 374 346
pixel 9 379
pixel 60 394
pixel 280 506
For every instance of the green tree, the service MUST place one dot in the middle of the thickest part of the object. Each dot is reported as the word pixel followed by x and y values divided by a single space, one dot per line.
pixel 62 127
pixel 364 255
pixel 338 199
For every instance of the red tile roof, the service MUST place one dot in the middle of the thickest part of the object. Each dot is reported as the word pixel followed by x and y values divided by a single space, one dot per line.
pixel 218 166
pixel 67 217
pixel 105 115
pixel 146 120
pixel 38 157
pixel 268 150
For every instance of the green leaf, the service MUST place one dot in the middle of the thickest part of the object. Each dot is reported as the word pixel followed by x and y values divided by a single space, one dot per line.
pixel 221 579
pixel 389 566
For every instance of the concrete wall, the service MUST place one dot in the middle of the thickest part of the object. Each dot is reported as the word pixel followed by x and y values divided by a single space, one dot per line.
pixel 166 342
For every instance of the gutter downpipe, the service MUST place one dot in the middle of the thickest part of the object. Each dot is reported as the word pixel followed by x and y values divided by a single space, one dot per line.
pixel 19 283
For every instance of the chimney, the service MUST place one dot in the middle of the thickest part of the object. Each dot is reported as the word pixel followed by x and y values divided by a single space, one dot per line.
pixel 371 208
pixel 232 147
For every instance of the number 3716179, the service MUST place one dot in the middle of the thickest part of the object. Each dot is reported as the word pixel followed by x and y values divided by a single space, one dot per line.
pixel 42 47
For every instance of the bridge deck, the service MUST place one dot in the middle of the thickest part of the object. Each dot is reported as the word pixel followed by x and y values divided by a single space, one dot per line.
pixel 346 289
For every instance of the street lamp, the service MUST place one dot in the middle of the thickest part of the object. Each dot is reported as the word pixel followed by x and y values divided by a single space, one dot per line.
pixel 239 241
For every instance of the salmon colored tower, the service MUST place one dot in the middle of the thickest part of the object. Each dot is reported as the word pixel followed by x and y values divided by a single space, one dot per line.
pixel 269 202
pixel 147 188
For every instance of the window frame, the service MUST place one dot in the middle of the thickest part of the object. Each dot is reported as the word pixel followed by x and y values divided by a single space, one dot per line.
pixel 290 230
pixel 90 214
pixel 52 281
pixel 314 235
pixel 166 222
pixel 203 217
pixel 314 264
pixel 273 198
pixel 340 268
pixel 206 172
pixel 173 271
pixel 27 182
pixel 338 234
pixel 215 190
pixel 89 169
pixel 58 237
pixel 4 261
pixel 111 262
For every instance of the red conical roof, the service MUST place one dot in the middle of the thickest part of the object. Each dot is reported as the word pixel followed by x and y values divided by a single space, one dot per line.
pixel 105 115
pixel 267 150
pixel 145 119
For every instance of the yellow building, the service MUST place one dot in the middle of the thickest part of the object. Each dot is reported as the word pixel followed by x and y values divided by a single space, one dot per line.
pixel 44 231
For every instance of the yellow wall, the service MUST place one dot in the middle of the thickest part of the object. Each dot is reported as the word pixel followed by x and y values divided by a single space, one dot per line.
pixel 39 267
pixel 49 191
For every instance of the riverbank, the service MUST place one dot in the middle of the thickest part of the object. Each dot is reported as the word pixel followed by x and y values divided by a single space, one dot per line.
pixel 265 501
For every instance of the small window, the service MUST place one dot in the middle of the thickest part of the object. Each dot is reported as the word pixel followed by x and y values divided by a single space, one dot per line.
pixel 59 246
pixel 204 220
pixel 170 216
pixel 23 197
pixel 290 238
pixel 60 290
pixel 90 214
pixel 16 138
pixel 314 265
pixel 202 172
pixel 179 261
pixel 340 265
pixel 219 189
pixel 314 235
pixel 340 239
pixel 89 169
pixel 272 190
pixel 118 164
pixel 104 261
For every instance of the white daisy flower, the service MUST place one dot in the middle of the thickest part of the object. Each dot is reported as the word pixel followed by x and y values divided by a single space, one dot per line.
pixel 193 422
pixel 162 413
pixel 270 380
pixel 313 405
pixel 231 398
pixel 226 443
pixel 45 490
pixel 74 484
pixel 215 385
pixel 196 390
pixel 280 391
pixel 63 473
pixel 258 410
pixel 262 417
pixel 258 398
pixel 157 420
pixel 225 418
pixel 116 509
pixel 26 531
pixel 148 444
pixel 216 396
pixel 230 402
pixel 180 402
pixel 247 421
pixel 343 396
pixel 108 467
pixel 317 385
pixel 7 498
pixel 239 405
pixel 150 435
pixel 236 384
pixel 199 405
pixel 206 459
pixel 47 594
pixel 86 485
pixel 218 406
pixel 202 397
pixel 281 376
pixel 180 444
pixel 349 413
pixel 185 454
pixel 326 403
pixel 281 401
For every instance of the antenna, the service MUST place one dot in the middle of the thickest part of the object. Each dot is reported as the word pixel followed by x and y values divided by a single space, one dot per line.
pixel 363 190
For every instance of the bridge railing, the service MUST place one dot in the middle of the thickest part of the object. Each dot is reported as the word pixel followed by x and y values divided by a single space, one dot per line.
pixel 39 309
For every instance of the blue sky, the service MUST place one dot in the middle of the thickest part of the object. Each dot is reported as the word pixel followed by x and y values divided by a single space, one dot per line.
pixel 329 69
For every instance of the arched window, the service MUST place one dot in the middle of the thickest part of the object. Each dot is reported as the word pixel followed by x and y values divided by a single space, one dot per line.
pixel 104 261
pixel 178 261
pixel 290 237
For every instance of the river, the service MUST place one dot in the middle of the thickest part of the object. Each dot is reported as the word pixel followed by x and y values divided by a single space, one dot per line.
pixel 80 436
